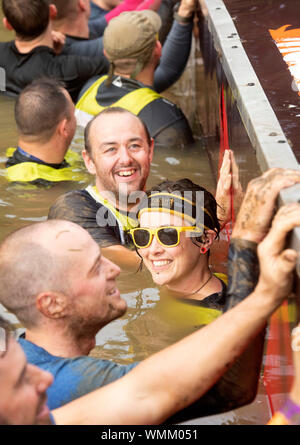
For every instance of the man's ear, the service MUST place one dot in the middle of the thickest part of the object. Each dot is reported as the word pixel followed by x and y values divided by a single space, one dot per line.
pixel 65 129
pixel 158 49
pixel 62 128
pixel 51 304
pixel 151 149
pixel 6 24
pixel 82 5
pixel 52 11
pixel 89 163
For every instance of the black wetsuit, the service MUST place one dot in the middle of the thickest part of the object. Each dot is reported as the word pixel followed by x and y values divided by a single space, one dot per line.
pixel 22 69
pixel 80 207
pixel 164 119
pixel 19 157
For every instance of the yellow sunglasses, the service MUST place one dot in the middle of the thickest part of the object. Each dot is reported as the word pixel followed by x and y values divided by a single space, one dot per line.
pixel 167 236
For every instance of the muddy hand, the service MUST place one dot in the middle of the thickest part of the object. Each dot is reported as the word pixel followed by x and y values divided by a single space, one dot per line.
pixel 258 206
pixel 59 40
pixel 276 262
pixel 187 7
pixel 228 183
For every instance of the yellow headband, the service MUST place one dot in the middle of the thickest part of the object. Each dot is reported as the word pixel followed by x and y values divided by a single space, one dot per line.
pixel 183 199
pixel 173 212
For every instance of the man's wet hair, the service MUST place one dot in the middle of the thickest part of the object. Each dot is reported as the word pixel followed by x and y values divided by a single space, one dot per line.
pixel 27 269
pixel 29 18
pixel 39 109
pixel 111 110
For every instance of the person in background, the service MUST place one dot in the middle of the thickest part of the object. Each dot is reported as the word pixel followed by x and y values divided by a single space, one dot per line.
pixel 46 124
pixel 71 19
pixel 131 45
pixel 155 389
pixel 100 8
pixel 35 52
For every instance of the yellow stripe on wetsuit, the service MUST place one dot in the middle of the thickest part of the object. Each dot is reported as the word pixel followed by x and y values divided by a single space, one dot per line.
pixel 134 101
pixel 31 171
pixel 126 222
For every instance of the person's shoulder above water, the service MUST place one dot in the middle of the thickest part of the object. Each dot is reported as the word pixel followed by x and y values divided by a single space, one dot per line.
pixel 76 204
pixel 22 68
pixel 42 155
pixel 28 169
pixel 167 124
pixel 74 377
pixel 80 207
pixel 216 301
pixel 165 121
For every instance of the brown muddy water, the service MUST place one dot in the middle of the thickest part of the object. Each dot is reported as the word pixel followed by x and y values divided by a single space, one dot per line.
pixel 124 340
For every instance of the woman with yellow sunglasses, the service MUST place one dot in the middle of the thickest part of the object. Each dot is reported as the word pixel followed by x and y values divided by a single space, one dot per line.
pixel 177 225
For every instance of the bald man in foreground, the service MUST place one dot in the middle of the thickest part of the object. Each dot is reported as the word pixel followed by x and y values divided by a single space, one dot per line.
pixel 164 383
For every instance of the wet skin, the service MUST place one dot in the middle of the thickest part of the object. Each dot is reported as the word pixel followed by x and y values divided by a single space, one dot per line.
pixel 23 389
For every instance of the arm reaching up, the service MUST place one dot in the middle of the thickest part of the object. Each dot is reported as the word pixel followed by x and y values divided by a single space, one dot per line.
pixel 228 186
pixel 257 210
pixel 177 376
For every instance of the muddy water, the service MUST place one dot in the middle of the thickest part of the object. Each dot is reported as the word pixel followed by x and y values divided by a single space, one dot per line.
pixel 21 205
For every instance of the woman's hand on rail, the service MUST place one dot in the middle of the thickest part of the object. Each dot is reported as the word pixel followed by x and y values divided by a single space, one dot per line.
pixel 228 187
pixel 275 261
pixel 258 206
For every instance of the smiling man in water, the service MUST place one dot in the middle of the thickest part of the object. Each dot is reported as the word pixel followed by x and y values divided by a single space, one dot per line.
pixel 118 152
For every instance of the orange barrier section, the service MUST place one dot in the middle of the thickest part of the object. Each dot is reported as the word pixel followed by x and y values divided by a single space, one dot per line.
pixel 279 362
pixel 288 43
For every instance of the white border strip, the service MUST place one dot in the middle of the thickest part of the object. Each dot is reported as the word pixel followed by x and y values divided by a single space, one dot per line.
pixel 264 131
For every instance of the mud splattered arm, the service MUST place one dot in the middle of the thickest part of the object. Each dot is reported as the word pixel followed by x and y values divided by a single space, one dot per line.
pixel 252 224
pixel 238 386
